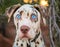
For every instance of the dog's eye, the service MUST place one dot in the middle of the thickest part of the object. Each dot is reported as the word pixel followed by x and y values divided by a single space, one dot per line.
pixel 18 16
pixel 33 16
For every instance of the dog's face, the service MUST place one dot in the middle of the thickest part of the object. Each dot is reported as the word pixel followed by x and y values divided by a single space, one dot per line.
pixel 27 21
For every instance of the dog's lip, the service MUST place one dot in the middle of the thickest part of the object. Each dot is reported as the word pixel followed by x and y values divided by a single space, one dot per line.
pixel 25 36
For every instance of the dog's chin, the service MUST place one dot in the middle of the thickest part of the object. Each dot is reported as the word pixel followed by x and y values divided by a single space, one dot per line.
pixel 25 36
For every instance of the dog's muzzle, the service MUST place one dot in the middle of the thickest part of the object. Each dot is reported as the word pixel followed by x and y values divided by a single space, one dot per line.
pixel 24 29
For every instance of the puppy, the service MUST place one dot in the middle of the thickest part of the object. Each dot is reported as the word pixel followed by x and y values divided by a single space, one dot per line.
pixel 27 19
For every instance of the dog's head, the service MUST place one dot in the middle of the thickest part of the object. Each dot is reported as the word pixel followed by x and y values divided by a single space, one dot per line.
pixel 26 19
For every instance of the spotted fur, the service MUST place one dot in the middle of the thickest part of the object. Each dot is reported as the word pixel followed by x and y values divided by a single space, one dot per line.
pixel 34 36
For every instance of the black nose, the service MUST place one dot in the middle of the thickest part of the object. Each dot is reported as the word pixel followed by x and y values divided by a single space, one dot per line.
pixel 24 29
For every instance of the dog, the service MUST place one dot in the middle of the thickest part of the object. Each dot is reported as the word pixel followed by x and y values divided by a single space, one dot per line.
pixel 27 20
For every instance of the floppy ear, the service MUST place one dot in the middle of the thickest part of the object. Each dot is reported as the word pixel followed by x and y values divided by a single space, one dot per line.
pixel 10 11
pixel 43 24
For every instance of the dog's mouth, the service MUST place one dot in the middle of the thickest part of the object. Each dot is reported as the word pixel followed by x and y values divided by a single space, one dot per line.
pixel 25 36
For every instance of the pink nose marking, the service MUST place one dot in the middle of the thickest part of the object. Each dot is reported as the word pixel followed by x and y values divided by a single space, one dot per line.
pixel 24 29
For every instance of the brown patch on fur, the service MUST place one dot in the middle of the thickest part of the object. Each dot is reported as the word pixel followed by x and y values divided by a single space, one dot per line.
pixel 41 38
pixel 10 30
pixel 45 34
pixel 35 45
pixel 10 9
pixel 45 28
pixel 21 12
pixel 5 42
pixel 27 14
pixel 8 39
pixel 37 42
pixel 21 44
pixel 17 40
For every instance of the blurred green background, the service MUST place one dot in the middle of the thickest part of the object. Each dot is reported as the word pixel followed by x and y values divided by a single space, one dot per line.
pixel 7 3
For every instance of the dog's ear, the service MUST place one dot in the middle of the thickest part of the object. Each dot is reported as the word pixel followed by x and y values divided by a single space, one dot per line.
pixel 10 11
pixel 44 24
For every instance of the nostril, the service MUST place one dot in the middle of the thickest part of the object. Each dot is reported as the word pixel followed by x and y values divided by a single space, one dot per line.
pixel 24 29
pixel 21 29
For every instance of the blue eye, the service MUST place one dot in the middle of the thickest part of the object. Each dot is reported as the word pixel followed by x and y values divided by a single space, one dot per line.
pixel 18 16
pixel 34 16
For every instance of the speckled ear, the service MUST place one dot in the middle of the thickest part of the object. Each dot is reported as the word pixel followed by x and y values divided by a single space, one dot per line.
pixel 10 11
pixel 43 24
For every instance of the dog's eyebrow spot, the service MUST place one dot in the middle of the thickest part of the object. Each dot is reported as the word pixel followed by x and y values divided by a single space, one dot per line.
pixel 17 40
pixel 27 14
pixel 21 12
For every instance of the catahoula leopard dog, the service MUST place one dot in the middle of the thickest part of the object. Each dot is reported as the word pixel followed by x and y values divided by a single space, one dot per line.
pixel 27 20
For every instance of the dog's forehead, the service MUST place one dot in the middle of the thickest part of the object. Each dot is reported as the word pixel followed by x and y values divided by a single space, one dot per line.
pixel 26 8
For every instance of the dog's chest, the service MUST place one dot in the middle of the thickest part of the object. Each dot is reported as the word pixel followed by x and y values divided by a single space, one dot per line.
pixel 27 43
